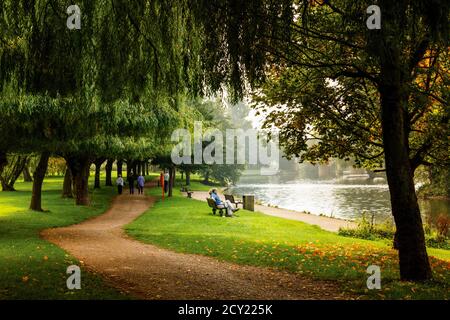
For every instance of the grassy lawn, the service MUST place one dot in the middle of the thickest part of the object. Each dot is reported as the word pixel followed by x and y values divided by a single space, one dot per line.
pixel 187 225
pixel 196 184
pixel 32 268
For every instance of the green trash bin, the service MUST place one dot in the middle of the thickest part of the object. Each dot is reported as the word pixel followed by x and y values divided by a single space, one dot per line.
pixel 249 202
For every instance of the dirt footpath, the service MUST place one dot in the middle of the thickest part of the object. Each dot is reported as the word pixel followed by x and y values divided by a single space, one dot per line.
pixel 148 272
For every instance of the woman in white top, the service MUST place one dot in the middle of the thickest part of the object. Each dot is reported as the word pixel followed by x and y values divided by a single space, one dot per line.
pixel 119 183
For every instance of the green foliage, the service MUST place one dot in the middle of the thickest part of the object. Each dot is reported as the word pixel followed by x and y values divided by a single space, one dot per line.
pixel 124 49
pixel 437 184
pixel 435 233
pixel 435 241
pixel 56 166
pixel 112 88
pixel 330 92
pixel 260 36
pixel 118 129
pixel 213 114
pixel 367 229
pixel 196 183
pixel 224 174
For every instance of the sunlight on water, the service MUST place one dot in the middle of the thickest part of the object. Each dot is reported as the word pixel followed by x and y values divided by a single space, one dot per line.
pixel 347 201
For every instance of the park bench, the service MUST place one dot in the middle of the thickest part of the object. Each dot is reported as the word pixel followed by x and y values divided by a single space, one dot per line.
pixel 214 207
pixel 188 192
pixel 232 200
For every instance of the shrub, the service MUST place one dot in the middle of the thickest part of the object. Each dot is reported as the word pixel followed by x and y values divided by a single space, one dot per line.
pixel 442 225
pixel 367 229
pixel 435 241
pixel 435 234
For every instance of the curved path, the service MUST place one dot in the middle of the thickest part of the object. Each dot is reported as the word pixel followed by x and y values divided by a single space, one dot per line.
pixel 148 272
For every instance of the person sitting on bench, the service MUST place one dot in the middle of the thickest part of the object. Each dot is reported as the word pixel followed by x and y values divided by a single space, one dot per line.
pixel 220 204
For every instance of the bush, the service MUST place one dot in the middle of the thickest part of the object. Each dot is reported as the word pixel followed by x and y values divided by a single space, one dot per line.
pixel 436 235
pixel 435 241
pixel 367 229
pixel 442 226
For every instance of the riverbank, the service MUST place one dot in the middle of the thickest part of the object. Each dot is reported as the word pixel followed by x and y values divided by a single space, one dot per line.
pixel 326 223
pixel 187 225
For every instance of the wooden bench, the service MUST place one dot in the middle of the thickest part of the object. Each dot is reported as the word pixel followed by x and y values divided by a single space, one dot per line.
pixel 212 204
pixel 232 200
pixel 188 192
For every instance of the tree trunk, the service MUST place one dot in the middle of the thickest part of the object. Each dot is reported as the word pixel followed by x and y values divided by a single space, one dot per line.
pixel 3 164
pixel 3 161
pixel 171 180
pixel 27 175
pixel 79 166
pixel 38 179
pixel 174 177
pixel 12 173
pixel 131 167
pixel 206 178
pixel 188 178
pixel 414 264
pixel 98 166
pixel 119 167
pixel 26 172
pixel 146 169
pixel 67 185
pixel 6 187
pixel 108 169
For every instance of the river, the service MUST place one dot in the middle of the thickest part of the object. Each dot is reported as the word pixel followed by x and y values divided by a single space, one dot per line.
pixel 333 198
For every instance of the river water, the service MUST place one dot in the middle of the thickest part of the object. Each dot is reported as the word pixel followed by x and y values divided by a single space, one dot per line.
pixel 332 198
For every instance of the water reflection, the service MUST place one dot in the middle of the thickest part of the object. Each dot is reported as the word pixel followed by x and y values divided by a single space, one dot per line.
pixel 347 201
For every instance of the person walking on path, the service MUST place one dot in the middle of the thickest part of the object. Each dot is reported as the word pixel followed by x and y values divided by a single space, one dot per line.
pixel 119 183
pixel 131 178
pixel 140 184
pixel 166 181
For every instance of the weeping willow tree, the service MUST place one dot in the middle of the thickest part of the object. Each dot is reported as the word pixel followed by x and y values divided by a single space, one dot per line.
pixel 139 53
pixel 122 49
pixel 66 91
